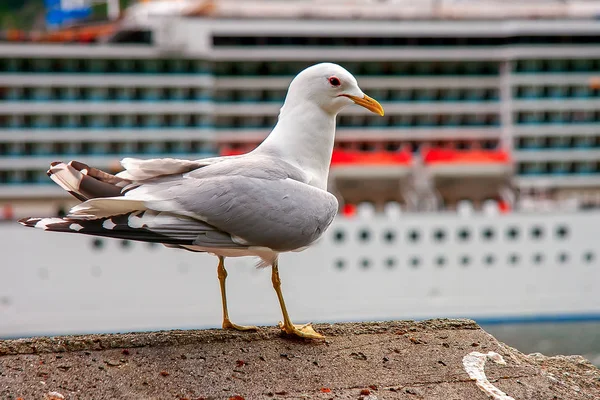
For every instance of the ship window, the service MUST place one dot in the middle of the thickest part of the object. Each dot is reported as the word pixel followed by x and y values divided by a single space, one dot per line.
pixel 414 235
pixel 29 148
pixel 339 236
pixel 195 148
pixel 487 233
pixel 588 257
pixel 465 261
pixel 464 234
pixel 28 176
pixel 439 235
pixel 479 68
pixel 537 232
pixel 415 262
pixel 134 36
pixel 97 244
pixel 126 244
pixel 489 259
pixel 440 261
pixel 390 262
pixel 563 257
pixel 58 148
pixel 364 235
pixel 365 263
pixel 340 264
pixel 512 233
pixel 169 147
pixel 562 232
pixel 389 236
pixel 513 259
pixel 114 148
pixel 392 146
pixel 366 146
pixel 538 258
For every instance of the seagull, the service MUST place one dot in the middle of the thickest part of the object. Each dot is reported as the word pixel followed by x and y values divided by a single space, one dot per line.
pixel 271 200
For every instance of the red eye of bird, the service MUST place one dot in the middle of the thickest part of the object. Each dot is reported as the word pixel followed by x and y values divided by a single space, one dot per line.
pixel 334 81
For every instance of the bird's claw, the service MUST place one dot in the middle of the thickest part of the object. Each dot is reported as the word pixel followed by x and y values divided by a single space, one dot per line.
pixel 304 331
pixel 227 324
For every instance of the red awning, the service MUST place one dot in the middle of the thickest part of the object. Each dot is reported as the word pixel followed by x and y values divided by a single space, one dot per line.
pixel 232 152
pixel 341 157
pixel 449 156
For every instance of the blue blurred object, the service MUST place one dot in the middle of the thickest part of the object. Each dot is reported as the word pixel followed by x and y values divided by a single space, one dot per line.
pixel 64 12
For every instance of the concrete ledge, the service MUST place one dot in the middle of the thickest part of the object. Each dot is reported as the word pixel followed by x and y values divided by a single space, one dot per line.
pixel 390 360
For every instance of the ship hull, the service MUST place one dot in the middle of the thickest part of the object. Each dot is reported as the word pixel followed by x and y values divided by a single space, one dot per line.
pixel 364 268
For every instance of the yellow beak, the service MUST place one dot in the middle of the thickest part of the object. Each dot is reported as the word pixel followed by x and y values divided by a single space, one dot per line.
pixel 368 103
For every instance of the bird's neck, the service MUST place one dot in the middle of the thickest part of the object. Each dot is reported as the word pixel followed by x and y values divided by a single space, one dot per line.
pixel 304 137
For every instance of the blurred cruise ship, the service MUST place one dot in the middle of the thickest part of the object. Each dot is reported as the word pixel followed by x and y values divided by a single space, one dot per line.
pixel 475 196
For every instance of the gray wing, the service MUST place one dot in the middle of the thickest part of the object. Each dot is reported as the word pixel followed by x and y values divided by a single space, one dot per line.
pixel 258 200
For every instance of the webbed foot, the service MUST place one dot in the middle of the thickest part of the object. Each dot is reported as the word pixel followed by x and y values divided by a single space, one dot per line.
pixel 305 331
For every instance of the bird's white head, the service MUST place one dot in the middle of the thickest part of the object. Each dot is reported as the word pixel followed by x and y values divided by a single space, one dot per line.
pixel 330 87
pixel 305 131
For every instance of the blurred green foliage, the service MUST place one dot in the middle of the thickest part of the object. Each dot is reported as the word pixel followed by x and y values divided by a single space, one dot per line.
pixel 21 14
pixel 29 14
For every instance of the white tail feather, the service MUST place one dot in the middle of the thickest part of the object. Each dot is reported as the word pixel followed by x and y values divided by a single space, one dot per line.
pixel 139 170
pixel 66 177
pixel 106 207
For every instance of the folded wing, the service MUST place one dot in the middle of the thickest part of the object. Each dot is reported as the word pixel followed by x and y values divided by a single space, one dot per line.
pixel 259 201
pixel 240 202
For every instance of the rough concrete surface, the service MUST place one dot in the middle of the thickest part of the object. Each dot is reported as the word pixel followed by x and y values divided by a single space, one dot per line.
pixel 390 360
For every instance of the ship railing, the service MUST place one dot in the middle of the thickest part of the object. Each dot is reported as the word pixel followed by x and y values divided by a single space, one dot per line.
pixel 404 9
